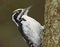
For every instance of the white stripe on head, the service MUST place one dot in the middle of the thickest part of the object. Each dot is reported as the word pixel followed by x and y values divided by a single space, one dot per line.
pixel 20 14
pixel 13 19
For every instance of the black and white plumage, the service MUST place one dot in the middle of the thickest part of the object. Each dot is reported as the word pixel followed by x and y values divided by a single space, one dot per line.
pixel 31 30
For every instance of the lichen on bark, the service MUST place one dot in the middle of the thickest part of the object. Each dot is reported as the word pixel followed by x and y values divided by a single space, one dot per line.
pixel 52 24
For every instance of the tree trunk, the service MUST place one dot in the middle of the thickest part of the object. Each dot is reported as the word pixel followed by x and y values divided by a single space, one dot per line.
pixel 52 24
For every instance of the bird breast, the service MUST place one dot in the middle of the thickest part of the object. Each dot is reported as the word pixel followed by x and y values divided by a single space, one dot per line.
pixel 32 29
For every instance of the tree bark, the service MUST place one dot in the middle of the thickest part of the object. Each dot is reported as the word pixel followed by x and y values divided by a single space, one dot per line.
pixel 52 24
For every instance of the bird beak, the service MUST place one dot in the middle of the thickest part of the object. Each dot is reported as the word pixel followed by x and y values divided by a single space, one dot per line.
pixel 27 9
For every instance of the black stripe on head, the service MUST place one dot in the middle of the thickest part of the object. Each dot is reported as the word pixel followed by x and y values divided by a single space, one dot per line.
pixel 16 15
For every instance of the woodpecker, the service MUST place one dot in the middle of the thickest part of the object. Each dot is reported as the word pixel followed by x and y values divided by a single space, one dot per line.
pixel 30 29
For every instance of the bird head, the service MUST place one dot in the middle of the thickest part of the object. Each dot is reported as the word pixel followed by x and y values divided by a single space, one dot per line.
pixel 18 13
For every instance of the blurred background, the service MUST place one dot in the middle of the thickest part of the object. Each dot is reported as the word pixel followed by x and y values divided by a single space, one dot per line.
pixel 9 34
